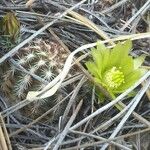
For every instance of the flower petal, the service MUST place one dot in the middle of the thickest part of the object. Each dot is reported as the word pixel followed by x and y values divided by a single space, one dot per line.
pixel 97 57
pixel 118 53
pixel 127 66
pixel 93 69
pixel 105 54
pixel 130 79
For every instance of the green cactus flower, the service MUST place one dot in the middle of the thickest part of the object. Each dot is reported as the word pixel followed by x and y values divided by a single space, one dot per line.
pixel 113 68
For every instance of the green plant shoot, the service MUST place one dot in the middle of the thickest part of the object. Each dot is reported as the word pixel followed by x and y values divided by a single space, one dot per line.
pixel 114 68
pixel 10 26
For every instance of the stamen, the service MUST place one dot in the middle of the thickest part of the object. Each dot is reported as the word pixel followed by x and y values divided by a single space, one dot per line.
pixel 114 78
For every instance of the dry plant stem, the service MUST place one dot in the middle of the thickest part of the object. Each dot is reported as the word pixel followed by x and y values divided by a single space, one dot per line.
pixel 91 25
pixel 132 37
pixel 85 127
pixel 137 99
pixel 96 143
pixel 137 116
pixel 20 7
pixel 83 20
pixel 18 106
pixel 2 124
pixel 15 49
pixel 39 118
pixel 111 8
pixel 92 110
pixel 108 123
pixel 73 79
pixel 4 1
pixel 101 139
pixel 136 21
pixel 66 129
pixel 3 145
pixel 4 139
pixel 99 18
pixel 141 10
pixel 72 99
pixel 29 3
pixel 107 140
pixel 119 98
pixel 147 91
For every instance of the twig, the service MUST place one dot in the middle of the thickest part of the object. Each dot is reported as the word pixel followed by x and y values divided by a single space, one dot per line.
pixel 3 145
pixel 19 7
pixel 114 6
pixel 107 140
pixel 76 90
pixel 4 138
pixel 66 129
pixel 141 10
pixel 108 123
pixel 100 138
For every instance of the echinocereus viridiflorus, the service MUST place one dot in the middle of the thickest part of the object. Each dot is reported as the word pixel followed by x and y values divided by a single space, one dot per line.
pixel 114 68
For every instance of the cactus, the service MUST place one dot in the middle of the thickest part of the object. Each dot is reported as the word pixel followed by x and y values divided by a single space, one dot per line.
pixel 40 57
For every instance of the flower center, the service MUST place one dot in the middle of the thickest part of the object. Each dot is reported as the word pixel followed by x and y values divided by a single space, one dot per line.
pixel 114 78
